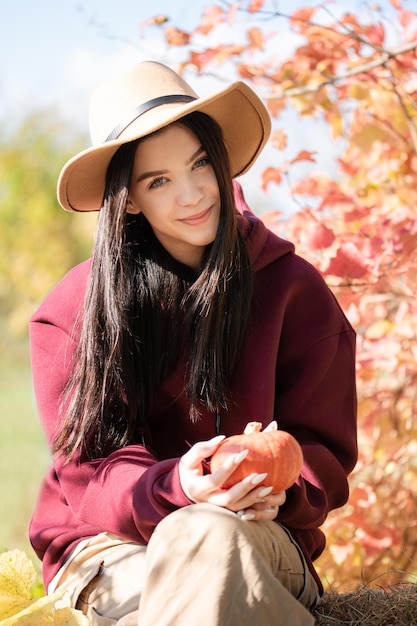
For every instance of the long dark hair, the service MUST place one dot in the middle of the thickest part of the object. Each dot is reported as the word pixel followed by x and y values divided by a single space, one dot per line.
pixel 143 310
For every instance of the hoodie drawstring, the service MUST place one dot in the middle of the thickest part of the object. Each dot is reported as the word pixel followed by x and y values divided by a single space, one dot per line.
pixel 218 421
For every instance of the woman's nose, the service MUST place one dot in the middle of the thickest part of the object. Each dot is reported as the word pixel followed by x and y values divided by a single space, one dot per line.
pixel 190 193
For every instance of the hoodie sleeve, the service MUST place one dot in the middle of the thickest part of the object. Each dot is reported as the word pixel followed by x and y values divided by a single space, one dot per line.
pixel 129 491
pixel 319 410
pixel 316 396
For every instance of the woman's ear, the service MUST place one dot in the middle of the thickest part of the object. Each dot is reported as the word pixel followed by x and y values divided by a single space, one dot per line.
pixel 131 207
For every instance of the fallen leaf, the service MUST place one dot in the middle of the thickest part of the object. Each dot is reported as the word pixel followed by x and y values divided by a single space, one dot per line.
pixel 17 575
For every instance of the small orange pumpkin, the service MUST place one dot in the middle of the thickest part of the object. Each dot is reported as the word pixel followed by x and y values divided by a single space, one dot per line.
pixel 276 452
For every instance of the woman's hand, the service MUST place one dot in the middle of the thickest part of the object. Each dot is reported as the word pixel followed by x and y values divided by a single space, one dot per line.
pixel 269 505
pixel 246 498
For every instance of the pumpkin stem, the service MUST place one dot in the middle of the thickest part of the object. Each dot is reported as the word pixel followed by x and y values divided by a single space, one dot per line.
pixel 252 427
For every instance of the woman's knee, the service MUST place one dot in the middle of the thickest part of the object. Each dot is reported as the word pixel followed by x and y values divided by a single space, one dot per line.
pixel 197 523
pixel 197 516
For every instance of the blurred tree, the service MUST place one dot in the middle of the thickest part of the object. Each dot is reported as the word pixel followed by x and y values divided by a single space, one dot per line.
pixel 39 241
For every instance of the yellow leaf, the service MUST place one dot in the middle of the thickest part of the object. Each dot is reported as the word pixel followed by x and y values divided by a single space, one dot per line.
pixel 378 329
pixel 359 91
pixel 336 124
pixel 18 608
pixel 17 575
pixel 368 134
pixel 42 613
pixel 38 613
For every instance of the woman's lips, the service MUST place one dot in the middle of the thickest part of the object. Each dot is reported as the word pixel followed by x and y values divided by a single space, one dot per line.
pixel 198 218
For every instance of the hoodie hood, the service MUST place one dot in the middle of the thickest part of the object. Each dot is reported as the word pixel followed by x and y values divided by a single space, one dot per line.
pixel 264 247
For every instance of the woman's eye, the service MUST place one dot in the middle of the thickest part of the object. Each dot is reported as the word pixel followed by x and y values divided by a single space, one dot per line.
pixel 157 182
pixel 202 161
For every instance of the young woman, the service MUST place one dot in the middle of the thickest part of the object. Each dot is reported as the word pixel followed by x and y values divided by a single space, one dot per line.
pixel 191 320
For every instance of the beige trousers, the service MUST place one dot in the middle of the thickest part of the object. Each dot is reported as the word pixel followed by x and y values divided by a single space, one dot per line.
pixel 203 566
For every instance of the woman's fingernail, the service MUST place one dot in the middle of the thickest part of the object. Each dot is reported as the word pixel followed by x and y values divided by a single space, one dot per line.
pixel 259 478
pixel 264 492
pixel 241 455
pixel 247 517
pixel 217 439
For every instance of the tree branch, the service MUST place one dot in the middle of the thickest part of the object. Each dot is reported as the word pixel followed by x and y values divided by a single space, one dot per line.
pixel 360 69
pixel 410 122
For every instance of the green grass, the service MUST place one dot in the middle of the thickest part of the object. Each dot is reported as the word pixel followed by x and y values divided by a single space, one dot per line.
pixel 23 452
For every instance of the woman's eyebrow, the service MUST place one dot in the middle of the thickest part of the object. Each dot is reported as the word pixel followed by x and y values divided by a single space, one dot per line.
pixel 154 173
pixel 151 174
pixel 195 155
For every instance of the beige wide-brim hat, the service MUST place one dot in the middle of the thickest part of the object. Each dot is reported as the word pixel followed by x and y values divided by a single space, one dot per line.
pixel 144 100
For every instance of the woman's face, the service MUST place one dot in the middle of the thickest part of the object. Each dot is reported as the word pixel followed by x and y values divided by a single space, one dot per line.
pixel 174 186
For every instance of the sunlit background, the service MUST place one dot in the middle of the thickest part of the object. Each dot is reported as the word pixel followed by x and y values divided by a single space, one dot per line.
pixel 54 52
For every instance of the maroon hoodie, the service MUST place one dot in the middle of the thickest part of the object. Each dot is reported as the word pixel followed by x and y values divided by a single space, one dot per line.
pixel 297 366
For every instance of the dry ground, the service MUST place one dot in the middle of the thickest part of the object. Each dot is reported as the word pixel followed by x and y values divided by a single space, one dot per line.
pixel 370 607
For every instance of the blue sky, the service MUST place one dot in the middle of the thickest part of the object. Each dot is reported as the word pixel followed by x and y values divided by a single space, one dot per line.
pixel 55 51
